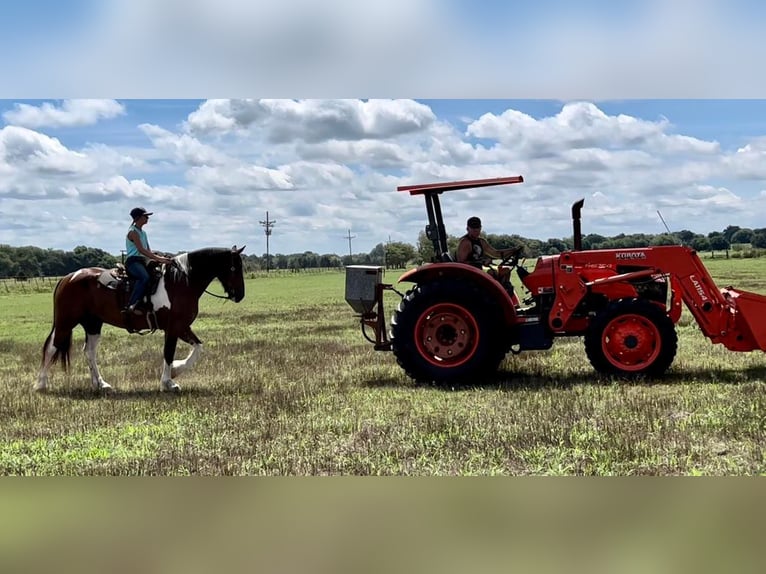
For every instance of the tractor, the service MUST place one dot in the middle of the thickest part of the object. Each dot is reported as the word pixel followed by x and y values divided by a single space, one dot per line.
pixel 457 323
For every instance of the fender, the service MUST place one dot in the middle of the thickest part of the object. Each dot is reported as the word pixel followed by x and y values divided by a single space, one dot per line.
pixel 431 271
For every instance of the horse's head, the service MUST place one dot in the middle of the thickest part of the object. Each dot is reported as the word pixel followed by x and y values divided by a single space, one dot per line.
pixel 230 274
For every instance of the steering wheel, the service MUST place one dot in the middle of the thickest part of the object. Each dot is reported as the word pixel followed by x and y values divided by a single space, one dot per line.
pixel 512 260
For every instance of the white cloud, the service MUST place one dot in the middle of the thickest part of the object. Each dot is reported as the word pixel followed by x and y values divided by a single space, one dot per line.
pixel 26 151
pixel 581 125
pixel 182 147
pixel 119 188
pixel 749 161
pixel 71 113
pixel 313 120
pixel 239 180
pixel 323 167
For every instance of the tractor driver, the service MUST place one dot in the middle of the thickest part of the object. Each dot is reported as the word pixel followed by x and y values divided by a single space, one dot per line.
pixel 476 251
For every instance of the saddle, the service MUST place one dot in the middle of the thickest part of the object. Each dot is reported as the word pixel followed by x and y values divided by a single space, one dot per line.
pixel 117 279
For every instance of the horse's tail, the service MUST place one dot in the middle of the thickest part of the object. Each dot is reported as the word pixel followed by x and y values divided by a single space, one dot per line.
pixel 61 345
pixel 61 349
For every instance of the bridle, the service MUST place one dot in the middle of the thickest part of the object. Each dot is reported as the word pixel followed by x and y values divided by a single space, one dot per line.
pixel 228 296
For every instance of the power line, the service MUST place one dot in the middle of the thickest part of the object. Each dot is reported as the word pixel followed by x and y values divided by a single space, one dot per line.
pixel 267 225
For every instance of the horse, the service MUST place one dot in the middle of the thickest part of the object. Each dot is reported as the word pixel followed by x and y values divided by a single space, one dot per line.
pixel 82 297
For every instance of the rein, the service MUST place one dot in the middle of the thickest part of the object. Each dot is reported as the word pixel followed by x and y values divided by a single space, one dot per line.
pixel 227 296
pixel 216 295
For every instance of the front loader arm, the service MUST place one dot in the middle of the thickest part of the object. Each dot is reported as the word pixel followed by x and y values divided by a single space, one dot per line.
pixel 734 318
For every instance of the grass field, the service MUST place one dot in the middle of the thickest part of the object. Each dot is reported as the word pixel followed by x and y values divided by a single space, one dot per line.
pixel 288 386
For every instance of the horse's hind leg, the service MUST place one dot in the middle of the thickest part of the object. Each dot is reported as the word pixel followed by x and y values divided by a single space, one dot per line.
pixel 92 337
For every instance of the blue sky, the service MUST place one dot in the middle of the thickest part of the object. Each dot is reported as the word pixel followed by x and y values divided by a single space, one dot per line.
pixel 635 105
pixel 71 170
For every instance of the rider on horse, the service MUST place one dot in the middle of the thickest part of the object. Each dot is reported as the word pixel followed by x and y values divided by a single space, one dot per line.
pixel 138 254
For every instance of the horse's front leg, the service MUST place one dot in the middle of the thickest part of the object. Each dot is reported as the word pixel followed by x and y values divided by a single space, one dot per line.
pixel 167 383
pixel 178 367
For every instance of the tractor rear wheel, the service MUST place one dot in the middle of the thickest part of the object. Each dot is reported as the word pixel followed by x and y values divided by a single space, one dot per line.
pixel 631 337
pixel 447 332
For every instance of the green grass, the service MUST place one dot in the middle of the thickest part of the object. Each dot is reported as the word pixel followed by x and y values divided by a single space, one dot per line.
pixel 286 385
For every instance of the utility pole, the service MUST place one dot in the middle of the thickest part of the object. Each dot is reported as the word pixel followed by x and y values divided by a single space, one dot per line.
pixel 267 225
pixel 350 237
pixel 385 253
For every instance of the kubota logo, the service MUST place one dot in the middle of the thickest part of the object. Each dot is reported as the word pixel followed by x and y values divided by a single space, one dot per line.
pixel 631 255
pixel 698 287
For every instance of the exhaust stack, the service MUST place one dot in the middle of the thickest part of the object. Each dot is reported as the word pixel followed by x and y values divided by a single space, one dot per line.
pixel 577 232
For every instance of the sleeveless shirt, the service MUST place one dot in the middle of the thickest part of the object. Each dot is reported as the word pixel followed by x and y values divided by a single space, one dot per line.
pixel 477 257
pixel 130 248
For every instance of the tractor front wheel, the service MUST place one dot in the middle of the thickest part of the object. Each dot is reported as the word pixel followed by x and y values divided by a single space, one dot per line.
pixel 447 332
pixel 631 337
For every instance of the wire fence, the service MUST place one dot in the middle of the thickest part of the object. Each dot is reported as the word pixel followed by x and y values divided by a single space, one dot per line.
pixel 44 284
pixel 27 284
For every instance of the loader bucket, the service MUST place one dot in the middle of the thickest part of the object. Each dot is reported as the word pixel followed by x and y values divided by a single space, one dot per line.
pixel 750 316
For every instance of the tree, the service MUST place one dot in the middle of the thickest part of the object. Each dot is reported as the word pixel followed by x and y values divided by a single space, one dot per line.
pixel 398 254
pixel 718 242
pixel 553 246
pixel 664 239
pixel 686 236
pixel 425 248
pixel 8 267
pixel 592 241
pixel 730 231
pixel 378 254
pixel 701 243
pixel 759 239
pixel 742 236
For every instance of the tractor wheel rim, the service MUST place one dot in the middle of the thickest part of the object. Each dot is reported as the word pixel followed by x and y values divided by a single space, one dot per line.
pixel 631 342
pixel 446 335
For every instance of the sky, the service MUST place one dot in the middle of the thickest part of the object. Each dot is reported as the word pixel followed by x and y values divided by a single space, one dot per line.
pixel 212 114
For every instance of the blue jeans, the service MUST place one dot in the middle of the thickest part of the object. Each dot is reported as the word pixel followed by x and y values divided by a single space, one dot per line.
pixel 137 269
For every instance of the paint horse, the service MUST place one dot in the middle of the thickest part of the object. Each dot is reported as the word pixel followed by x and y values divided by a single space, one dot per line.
pixel 80 298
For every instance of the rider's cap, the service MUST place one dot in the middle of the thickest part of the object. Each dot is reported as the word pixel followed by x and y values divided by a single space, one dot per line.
pixel 137 212
pixel 474 222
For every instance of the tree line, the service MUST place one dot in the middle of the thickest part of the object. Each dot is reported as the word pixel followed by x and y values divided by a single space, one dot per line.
pixel 29 261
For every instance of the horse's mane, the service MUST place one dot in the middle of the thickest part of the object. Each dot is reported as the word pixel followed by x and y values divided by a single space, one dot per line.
pixel 182 263
pixel 184 260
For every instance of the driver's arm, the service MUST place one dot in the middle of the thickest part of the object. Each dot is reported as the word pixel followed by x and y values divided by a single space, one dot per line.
pixel 463 251
pixel 491 251
pixel 499 253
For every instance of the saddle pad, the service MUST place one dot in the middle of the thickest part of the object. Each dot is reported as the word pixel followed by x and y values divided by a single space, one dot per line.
pixel 110 278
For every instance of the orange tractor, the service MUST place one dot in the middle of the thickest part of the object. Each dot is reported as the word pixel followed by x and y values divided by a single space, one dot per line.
pixel 457 323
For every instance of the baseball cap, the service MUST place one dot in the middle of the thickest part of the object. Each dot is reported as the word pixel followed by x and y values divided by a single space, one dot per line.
pixel 137 212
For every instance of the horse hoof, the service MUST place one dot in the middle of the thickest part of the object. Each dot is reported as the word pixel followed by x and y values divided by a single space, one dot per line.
pixel 171 387
pixel 102 387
